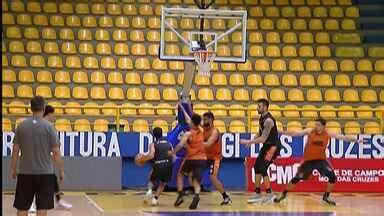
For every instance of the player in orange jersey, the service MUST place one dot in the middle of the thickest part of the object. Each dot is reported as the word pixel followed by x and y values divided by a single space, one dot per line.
pixel 315 158
pixel 212 142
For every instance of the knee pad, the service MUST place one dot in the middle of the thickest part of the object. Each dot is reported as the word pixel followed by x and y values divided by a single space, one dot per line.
pixel 331 177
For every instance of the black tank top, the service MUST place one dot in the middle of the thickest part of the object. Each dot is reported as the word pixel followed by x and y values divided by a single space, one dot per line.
pixel 273 138
pixel 162 147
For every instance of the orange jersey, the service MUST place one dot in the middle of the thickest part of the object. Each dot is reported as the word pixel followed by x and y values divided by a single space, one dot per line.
pixel 195 146
pixel 214 151
pixel 316 146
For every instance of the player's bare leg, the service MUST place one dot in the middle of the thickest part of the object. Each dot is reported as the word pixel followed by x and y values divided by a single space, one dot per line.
pixel 196 197
pixel 326 194
pixel 257 197
pixel 219 187
pixel 160 189
pixel 179 182
pixel 270 196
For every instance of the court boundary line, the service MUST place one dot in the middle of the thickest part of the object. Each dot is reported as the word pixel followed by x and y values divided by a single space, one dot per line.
pixel 94 203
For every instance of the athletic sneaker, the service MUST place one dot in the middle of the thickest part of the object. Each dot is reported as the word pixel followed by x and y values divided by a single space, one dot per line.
pixel 63 205
pixel 154 202
pixel 195 202
pixel 327 200
pixel 148 196
pixel 255 199
pixel 179 200
pixel 268 198
pixel 32 209
pixel 226 201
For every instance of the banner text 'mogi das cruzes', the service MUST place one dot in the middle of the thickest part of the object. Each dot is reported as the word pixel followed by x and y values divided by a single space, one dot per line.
pixel 121 144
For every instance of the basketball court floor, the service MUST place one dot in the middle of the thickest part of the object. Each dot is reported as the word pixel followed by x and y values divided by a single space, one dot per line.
pixel 129 203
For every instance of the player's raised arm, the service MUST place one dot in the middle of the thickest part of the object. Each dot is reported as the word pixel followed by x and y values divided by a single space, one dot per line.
pixel 296 133
pixel 182 142
pixel 212 139
pixel 186 116
pixel 345 137
pixel 268 125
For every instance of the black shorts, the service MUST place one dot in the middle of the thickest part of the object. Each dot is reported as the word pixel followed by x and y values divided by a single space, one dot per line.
pixel 56 186
pixel 161 172
pixel 214 166
pixel 267 154
pixel 196 167
pixel 30 186
pixel 306 168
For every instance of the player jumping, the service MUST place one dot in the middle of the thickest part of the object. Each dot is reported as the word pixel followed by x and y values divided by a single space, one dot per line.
pixel 315 158
pixel 212 142
pixel 268 153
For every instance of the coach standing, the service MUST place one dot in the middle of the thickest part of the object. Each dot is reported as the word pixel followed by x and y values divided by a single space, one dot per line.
pixel 36 138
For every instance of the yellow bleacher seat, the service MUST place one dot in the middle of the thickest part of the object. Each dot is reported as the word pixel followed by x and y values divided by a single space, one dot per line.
pixel 42 76
pixel 176 65
pixel 62 92
pixel 236 79
pixel 50 7
pixel 164 109
pixel 13 32
pixel 115 78
pixel 329 2
pixel 324 80
pixel 294 126
pixel 314 95
pixel 128 109
pixel 98 77
pixel 315 24
pixel 24 91
pixel 31 33
pixel 82 8
pixel 322 38
pixel 66 8
pixel 132 78
pixel 309 112
pixel 376 52
pixel 350 95
pixel 119 35
pixel 256 51
pixel 18 61
pixel 349 52
pixel 271 80
pixel 200 108
pixel 68 48
pixel 255 37
pixel 342 80
pixel 122 22
pixel 266 24
pixel 299 24
pixel 247 66
pixel 55 61
pixel 105 22
pixel 102 35
pixel 103 49
pixel 16 110
pixel 283 24
pixel 125 63
pixel 154 23
pixel 295 94
pixel 44 91
pixel 136 35
pixel 332 95
pixel 73 21
pixel 37 61
pixel 4 60
pixel 288 11
pixel 90 108
pixel 63 125
pixel 312 65
pixel 145 9
pixel 323 51
pixel 364 65
pixel 346 38
pixel 347 65
pixel 48 34
pixel 8 91
pixel 58 107
pixel 98 8
pixel 236 110
pixel 333 25
pixel 80 77
pixel 10 75
pixel 140 125
pixel 16 47
pixel 121 49
pixel 303 11
pixel 152 94
pixel 313 2
pixel 345 111
pixel 327 111
pixel 352 127
pixel 33 47
pixel 262 65
pixel 276 95
pixel 150 79
pixel 273 37
pixel 236 126
pixel 352 12
pixel 223 50
pixel 72 108
pixel 241 94
pixel 364 112
pixel 371 128
pixel 289 80
pixel 116 93
pixel 377 80
pixel 333 126
pixel 153 36
pixel 306 38
pixel 369 96
pixel 222 94
pixel 73 62
pixel 51 47
pixel 84 34
pixel 98 93
pixel 345 2
pixel 258 94
pixel 86 48
pixel 100 125
pixel 109 109
pixel 153 50
pixel 138 22
pixel 40 20
pixel 82 125
pixel 206 94
pixel 8 19
pixel 272 51
pixel 254 114
pixel 256 12
pixel 134 94
pixel 306 51
pixel 296 65
pixel 289 51
pixel 80 92
pixel 142 64
pixel 161 124
pixel 348 24
pixel 56 20
pixel 219 110
pixel 254 80
pixel 108 63
pixel 220 125
pixel 202 80
pixel 320 12
pixel 219 79
pixel 310 124
pixel 379 65
pixel 291 111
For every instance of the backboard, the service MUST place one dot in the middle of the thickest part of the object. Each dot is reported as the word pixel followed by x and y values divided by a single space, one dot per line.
pixel 221 31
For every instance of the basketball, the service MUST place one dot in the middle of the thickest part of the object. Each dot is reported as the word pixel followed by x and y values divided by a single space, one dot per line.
pixel 139 159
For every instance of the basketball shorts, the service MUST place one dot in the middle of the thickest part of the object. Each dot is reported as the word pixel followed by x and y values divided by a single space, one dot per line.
pixel 267 154
pixel 162 172
pixel 196 167
pixel 214 166
pixel 30 186
pixel 306 168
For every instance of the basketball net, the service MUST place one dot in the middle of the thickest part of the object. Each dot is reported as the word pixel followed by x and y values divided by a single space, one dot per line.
pixel 204 60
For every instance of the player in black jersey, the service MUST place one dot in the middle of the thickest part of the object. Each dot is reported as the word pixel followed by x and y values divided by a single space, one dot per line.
pixel 160 152
pixel 268 136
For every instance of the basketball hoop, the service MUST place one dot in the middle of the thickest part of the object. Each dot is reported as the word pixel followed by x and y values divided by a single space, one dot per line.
pixel 204 59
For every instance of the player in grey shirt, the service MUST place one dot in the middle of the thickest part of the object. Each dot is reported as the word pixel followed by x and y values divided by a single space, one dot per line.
pixel 36 139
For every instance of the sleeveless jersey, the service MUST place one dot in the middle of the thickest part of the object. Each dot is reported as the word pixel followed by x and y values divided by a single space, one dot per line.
pixel 162 147
pixel 195 146
pixel 316 146
pixel 213 152
pixel 273 137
